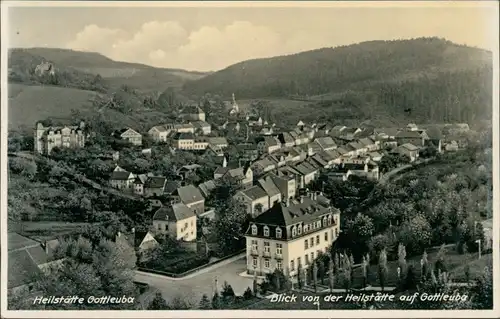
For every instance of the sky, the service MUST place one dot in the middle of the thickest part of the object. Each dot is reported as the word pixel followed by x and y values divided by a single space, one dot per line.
pixel 203 38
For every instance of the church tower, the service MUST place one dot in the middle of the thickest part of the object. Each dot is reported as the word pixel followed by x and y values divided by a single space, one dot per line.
pixel 235 108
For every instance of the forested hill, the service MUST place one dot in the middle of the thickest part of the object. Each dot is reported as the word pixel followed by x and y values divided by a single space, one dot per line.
pixel 425 78
pixel 77 68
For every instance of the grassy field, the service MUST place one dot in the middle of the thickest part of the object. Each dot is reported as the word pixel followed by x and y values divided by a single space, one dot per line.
pixel 27 104
pixel 476 267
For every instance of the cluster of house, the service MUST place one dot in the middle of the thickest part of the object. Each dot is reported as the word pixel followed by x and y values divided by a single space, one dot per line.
pixel 273 172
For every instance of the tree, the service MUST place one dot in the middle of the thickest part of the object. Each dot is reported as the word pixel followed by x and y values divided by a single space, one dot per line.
pixel 300 276
pixel 227 292
pixel 248 294
pixel 359 230
pixel 425 266
pixel 23 167
pixel 216 301
pixel 416 234
pixel 158 303
pixel 205 303
pixel 255 285
pixel 331 275
pixel 231 218
pixel 483 290
pixel 364 267
pixel 321 267
pixel 410 281
pixel 179 303
pixel 402 260
pixel 440 264
pixel 315 275
pixel 382 268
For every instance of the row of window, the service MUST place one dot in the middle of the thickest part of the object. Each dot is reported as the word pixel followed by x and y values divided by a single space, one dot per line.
pixel 267 247
pixel 297 230
pixel 308 259
pixel 267 263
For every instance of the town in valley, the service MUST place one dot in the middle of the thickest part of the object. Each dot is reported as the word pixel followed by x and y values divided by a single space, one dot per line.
pixel 230 189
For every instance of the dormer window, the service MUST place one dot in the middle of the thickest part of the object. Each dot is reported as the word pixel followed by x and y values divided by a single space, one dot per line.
pixel 324 221
pixel 278 232
pixel 266 231
pixel 254 229
pixel 294 231
pixel 306 228
pixel 299 229
pixel 329 219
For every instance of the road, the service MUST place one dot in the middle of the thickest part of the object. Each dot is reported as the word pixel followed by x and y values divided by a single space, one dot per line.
pixel 191 289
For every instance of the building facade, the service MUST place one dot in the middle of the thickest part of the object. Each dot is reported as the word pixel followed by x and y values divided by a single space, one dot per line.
pixel 290 234
pixel 48 137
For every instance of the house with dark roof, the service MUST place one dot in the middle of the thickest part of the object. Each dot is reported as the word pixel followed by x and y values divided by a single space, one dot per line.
pixel 364 168
pixel 286 139
pixel 370 144
pixel 254 120
pixel 193 113
pixel 268 145
pixel 409 150
pixel 263 166
pixel 139 182
pixel 143 242
pixel 255 199
pixel 306 173
pixel 435 138
pixel 178 221
pixel 159 133
pixel 129 135
pixel 191 197
pixel 183 141
pixel 218 142
pixel 326 143
pixel 27 258
pixel 202 127
pixel 416 138
pixel 271 190
pixel 248 151
pixel 154 186
pixel 349 133
pixel 285 181
pixel 188 170
pixel 289 234
pixel 207 187
pixel 121 179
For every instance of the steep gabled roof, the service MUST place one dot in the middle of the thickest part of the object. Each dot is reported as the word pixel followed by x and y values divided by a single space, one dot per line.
pixel 120 176
pixel 254 193
pixel 268 186
pixel 295 212
pixel 189 194
pixel 174 212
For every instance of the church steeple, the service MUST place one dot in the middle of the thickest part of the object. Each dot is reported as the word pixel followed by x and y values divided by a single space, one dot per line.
pixel 235 108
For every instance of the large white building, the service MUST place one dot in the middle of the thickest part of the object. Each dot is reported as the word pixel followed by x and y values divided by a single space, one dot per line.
pixel 291 233
pixel 48 137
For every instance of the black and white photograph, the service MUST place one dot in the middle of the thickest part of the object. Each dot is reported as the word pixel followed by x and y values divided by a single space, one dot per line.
pixel 182 159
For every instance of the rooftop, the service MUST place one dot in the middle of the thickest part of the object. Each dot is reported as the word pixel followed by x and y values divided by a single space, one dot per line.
pixel 174 212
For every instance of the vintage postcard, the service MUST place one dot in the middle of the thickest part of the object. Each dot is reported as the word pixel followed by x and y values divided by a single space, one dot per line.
pixel 249 159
